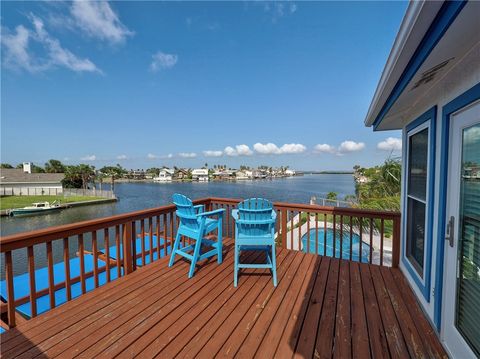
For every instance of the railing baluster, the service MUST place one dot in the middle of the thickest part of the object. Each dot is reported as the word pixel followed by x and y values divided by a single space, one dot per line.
pixel 95 258
pixel 118 254
pixel 31 274
pixel 284 228
pixel 165 235
pixel 351 238
pixel 10 290
pixel 142 243
pixel 291 229
pixel 382 229
pixel 157 233
pixel 128 263
pixel 66 261
pixel 81 250
pixel 308 232
pixel 334 240
pixel 299 230
pixel 150 237
pixel 133 244
pixel 106 245
pixel 51 283
pixel 371 239
pixel 316 233
pixel 341 236
pixel 227 224
pixel 324 234
pixel 360 219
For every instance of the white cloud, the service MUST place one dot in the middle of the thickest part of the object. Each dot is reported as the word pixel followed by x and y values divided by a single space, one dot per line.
pixel 266 149
pixel 210 153
pixel 324 148
pixel 89 158
pixel 351 146
pixel 230 151
pixel 293 148
pixel 273 149
pixel 390 144
pixel 97 19
pixel 163 61
pixel 187 154
pixel 151 156
pixel 170 155
pixel 121 157
pixel 18 55
pixel 239 150
pixel 243 150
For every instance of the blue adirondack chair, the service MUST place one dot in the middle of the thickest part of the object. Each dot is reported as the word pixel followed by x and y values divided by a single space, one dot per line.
pixel 255 230
pixel 195 224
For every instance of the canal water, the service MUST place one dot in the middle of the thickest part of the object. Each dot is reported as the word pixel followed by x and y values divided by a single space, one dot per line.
pixel 138 196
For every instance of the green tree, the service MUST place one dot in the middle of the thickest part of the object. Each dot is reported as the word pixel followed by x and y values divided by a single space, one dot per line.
pixel 5 165
pixel 114 172
pixel 332 196
pixel 54 166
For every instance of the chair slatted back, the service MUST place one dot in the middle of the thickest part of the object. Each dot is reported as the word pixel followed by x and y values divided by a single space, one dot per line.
pixel 254 217
pixel 185 211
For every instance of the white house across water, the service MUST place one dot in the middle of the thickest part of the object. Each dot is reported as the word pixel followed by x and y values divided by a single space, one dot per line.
pixel 430 89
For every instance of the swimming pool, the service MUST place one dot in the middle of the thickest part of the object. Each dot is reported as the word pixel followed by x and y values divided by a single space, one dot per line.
pixel 345 247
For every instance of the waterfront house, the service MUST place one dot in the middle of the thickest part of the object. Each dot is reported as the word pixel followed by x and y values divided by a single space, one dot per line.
pixel 241 175
pixel 200 174
pixel 430 89
pixel 21 181
pixel 289 173
pixel 180 174
pixel 164 175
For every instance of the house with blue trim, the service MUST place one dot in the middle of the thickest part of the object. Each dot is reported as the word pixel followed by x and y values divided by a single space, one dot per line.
pixel 430 89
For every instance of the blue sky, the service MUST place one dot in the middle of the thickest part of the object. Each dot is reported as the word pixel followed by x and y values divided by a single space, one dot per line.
pixel 149 84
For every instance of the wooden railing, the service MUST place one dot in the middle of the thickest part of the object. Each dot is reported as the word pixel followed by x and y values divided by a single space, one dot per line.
pixel 349 233
pixel 157 226
pixel 330 230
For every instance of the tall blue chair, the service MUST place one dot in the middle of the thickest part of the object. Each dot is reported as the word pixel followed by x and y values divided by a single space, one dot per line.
pixel 195 224
pixel 255 230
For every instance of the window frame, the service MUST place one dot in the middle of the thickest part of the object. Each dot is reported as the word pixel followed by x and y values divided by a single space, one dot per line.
pixel 421 276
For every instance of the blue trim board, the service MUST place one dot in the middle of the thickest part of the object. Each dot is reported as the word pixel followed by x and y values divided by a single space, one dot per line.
pixel 430 115
pixel 444 18
pixel 471 95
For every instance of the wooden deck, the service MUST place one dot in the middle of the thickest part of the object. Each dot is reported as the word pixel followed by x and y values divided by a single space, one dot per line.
pixel 322 307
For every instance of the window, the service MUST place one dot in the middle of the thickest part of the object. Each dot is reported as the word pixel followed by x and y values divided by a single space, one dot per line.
pixel 416 206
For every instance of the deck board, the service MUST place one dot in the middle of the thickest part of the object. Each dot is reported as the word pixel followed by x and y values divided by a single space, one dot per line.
pixel 322 307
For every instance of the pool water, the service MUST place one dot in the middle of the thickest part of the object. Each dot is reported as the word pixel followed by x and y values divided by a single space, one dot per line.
pixel 345 246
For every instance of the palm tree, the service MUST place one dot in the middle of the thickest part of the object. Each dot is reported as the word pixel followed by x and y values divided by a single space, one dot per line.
pixel 54 166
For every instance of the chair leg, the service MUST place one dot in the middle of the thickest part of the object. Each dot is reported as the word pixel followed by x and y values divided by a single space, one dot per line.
pixel 274 266
pixel 235 266
pixel 196 253
pixel 174 250
pixel 219 241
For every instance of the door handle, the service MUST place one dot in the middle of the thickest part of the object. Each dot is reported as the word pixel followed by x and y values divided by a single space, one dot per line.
pixel 450 231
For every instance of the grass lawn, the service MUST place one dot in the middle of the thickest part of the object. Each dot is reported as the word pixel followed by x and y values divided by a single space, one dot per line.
pixel 8 202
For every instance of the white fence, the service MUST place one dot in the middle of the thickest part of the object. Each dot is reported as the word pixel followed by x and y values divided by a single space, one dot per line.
pixel 53 191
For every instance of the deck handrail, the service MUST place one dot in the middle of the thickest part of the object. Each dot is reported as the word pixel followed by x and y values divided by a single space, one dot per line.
pixel 123 230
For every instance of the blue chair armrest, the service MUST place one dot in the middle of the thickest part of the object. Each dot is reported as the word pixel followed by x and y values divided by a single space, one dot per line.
pixel 274 215
pixel 200 208
pixel 216 212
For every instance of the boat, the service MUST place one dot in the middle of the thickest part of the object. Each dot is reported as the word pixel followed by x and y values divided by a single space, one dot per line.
pixel 35 208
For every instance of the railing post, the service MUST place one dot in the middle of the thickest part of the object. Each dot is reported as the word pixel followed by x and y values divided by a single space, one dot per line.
pixel 283 227
pixel 127 248
pixel 10 291
pixel 396 241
